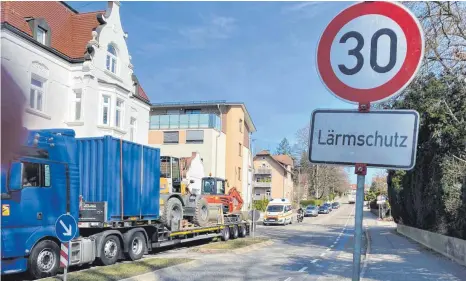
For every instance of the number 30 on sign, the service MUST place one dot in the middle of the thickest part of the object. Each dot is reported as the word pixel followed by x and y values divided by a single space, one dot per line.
pixel 370 52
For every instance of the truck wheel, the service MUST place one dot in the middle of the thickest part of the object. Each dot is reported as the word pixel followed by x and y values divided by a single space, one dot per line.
pixel 201 214
pixel 173 212
pixel 44 259
pixel 136 246
pixel 225 234
pixel 235 232
pixel 110 251
pixel 242 231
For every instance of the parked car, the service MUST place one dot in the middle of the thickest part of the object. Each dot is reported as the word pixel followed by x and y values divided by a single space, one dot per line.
pixel 324 210
pixel 311 211
pixel 329 206
pixel 335 205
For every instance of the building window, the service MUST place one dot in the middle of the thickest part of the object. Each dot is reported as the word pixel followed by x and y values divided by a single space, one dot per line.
pixel 239 173
pixel 241 125
pixel 192 111
pixel 240 147
pixel 171 137
pixel 105 110
pixel 76 105
pixel 195 136
pixel 132 128
pixel 267 193
pixel 41 35
pixel 111 59
pixel 36 95
pixel 119 112
pixel 173 112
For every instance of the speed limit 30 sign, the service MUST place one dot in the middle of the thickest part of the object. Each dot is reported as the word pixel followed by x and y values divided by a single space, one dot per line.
pixel 370 52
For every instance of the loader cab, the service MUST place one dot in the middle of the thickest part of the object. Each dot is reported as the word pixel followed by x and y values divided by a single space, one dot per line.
pixel 170 175
pixel 214 186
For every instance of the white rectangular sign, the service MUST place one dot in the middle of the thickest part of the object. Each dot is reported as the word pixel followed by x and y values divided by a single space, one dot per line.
pixel 382 139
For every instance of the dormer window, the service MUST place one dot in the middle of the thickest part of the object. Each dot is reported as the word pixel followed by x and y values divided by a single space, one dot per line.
pixel 111 59
pixel 40 30
pixel 41 35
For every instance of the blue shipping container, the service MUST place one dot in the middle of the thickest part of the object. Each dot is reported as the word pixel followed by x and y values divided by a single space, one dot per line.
pixel 124 174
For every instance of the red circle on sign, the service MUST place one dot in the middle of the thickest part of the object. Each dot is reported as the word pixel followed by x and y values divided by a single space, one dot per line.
pixel 414 53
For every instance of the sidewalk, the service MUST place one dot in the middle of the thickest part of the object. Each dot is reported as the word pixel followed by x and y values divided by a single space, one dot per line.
pixel 395 257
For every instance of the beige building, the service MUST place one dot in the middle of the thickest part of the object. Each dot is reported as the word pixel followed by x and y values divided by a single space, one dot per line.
pixel 219 131
pixel 272 176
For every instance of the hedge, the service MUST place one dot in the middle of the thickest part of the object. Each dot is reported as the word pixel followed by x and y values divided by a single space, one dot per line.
pixel 261 205
pixel 314 202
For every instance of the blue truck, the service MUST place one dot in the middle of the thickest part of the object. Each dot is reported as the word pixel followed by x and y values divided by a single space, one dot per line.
pixel 111 188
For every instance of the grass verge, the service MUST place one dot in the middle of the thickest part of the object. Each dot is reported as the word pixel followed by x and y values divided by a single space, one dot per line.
pixel 234 244
pixel 120 270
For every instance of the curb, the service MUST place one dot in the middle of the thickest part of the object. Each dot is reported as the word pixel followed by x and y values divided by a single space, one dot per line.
pixel 368 250
pixel 153 274
pixel 235 251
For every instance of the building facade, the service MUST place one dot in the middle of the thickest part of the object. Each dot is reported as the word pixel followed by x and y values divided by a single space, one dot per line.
pixel 75 69
pixel 218 130
pixel 272 176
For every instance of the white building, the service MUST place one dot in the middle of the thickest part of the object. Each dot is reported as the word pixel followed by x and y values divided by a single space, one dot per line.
pixel 74 69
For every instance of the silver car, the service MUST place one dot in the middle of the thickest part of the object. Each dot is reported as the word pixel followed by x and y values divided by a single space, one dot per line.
pixel 311 211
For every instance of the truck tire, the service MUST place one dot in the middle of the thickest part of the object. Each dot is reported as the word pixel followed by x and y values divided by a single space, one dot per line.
pixel 201 214
pixel 225 234
pixel 242 231
pixel 173 211
pixel 110 250
pixel 136 246
pixel 44 260
pixel 235 232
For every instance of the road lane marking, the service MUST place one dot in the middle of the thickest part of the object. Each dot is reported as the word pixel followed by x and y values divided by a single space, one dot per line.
pixel 323 254
pixel 333 245
pixel 302 269
pixel 328 249
pixel 314 261
pixel 289 279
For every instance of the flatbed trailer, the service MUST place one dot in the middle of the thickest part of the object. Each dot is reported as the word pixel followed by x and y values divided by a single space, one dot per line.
pixel 110 187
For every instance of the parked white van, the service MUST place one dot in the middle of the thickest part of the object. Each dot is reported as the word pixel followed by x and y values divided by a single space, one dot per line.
pixel 278 212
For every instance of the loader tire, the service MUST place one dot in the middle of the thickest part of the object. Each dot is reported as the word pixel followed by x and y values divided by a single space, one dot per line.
pixel 201 215
pixel 173 212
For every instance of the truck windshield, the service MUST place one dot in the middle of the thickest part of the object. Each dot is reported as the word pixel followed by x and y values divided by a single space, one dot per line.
pixel 275 208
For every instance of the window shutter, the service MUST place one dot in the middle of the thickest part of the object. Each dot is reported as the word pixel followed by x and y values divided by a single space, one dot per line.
pixel 195 136
pixel 170 137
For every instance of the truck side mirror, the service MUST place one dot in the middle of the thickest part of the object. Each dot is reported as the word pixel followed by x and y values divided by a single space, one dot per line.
pixel 16 175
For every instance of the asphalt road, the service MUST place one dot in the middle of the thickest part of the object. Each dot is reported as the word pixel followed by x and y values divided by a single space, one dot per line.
pixel 320 248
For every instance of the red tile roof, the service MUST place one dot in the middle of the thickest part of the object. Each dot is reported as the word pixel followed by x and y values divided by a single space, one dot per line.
pixel 283 159
pixel 263 152
pixel 70 30
pixel 141 93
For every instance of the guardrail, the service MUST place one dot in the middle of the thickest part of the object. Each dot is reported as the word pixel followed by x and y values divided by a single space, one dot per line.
pixel 450 247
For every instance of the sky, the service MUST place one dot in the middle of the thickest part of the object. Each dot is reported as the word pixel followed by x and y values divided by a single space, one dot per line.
pixel 259 53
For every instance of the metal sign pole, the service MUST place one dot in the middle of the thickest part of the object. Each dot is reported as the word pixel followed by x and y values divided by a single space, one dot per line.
pixel 361 170
pixel 67 262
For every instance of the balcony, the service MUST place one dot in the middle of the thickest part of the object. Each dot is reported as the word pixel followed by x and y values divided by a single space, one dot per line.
pixel 185 121
pixel 259 184
pixel 263 171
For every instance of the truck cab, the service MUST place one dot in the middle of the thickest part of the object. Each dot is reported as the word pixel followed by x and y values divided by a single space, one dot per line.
pixel 37 187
